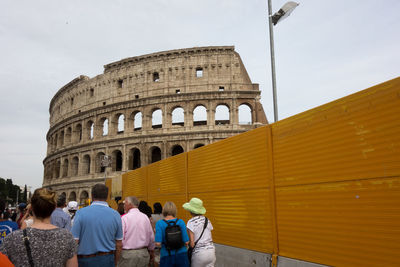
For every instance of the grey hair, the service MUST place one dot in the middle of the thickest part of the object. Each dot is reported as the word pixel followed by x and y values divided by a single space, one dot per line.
pixel 133 200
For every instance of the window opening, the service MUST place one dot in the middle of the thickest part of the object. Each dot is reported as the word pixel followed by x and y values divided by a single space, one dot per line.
pixel 137 121
pixel 155 154
pixel 221 88
pixel 178 116
pixel 245 114
pixel 105 127
pixel 222 115
pixel 156 77
pixel 199 72
pixel 176 150
pixel 178 91
pixel 121 123
pixel 137 96
pixel 156 119
pixel 199 116
pixel 120 83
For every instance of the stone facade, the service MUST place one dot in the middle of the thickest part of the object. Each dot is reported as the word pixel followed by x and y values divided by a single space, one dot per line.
pixel 143 109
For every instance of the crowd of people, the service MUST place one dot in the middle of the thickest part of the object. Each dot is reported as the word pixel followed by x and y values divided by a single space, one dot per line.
pixel 51 232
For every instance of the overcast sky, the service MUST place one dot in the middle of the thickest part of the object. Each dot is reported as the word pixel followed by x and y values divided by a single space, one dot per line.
pixel 325 50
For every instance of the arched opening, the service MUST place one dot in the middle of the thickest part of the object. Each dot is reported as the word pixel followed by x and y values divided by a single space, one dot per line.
pixel 78 132
pixel 64 195
pixel 178 116
pixel 198 145
pixel 156 119
pixel 68 135
pixel 61 141
pixel 65 168
pixel 155 154
pixel 99 168
pixel 90 130
pixel 245 114
pixel 116 161
pixel 83 199
pixel 86 164
pixel 72 196
pixel 55 141
pixel 137 121
pixel 105 127
pixel 222 115
pixel 200 116
pixel 177 149
pixel 57 168
pixel 121 123
pixel 74 166
pixel 134 159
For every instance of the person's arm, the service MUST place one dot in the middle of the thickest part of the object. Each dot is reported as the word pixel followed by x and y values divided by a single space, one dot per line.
pixel 72 262
pixel 118 249
pixel 191 238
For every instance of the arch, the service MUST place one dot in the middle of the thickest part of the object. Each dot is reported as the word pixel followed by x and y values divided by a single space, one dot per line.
pixel 156 118
pixel 57 169
pixel 84 196
pixel 121 123
pixel 98 167
pixel 86 164
pixel 65 168
pixel 78 132
pixel 90 129
pixel 178 116
pixel 72 196
pixel 64 194
pixel 105 127
pixel 74 166
pixel 55 141
pixel 245 114
pixel 117 161
pixel 68 135
pixel 176 149
pixel 222 114
pixel 155 154
pixel 199 115
pixel 137 121
pixel 134 159
pixel 198 145
pixel 61 137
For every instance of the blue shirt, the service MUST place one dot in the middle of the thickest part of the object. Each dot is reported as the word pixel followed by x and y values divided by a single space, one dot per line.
pixel 97 227
pixel 6 228
pixel 61 219
pixel 161 225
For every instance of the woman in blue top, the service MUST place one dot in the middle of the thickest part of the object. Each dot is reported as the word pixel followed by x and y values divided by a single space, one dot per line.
pixel 176 257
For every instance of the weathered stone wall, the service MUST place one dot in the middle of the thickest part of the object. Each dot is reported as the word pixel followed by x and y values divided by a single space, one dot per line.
pixel 210 77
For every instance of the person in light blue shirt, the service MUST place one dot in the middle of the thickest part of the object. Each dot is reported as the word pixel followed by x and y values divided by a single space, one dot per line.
pixel 59 218
pixel 177 257
pixel 98 230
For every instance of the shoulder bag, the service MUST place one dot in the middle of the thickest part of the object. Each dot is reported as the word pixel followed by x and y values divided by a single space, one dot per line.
pixel 28 248
pixel 190 250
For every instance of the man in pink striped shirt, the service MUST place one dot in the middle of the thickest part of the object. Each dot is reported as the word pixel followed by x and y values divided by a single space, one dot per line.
pixel 138 241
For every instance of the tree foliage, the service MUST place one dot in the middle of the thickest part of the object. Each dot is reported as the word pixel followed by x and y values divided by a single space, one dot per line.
pixel 9 191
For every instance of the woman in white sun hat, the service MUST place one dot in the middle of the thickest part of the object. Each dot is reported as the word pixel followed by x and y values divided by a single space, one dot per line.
pixel 200 239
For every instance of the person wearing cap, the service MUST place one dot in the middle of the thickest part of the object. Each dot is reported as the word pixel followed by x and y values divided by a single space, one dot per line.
pixel 71 209
pixel 98 230
pixel 204 251
pixel 59 217
pixel 21 214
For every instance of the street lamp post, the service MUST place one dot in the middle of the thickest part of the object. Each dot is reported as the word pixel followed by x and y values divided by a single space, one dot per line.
pixel 273 20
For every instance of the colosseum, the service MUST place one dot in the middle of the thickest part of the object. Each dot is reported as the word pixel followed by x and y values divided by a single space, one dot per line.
pixel 143 109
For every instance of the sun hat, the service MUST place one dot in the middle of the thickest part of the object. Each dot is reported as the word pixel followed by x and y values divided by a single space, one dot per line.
pixel 72 205
pixel 195 206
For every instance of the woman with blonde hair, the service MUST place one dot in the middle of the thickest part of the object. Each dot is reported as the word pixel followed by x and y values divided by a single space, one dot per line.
pixel 171 235
pixel 41 244
pixel 199 229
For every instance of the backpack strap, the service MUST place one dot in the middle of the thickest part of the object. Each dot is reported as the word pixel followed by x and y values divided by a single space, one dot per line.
pixel 28 247
pixel 204 228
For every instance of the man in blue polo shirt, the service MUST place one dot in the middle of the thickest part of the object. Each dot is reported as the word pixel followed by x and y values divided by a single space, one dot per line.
pixel 98 231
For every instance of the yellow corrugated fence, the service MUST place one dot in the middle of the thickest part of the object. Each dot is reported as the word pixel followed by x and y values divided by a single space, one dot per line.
pixel 322 186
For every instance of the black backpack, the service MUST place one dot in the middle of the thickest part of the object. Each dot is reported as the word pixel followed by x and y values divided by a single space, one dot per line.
pixel 173 236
